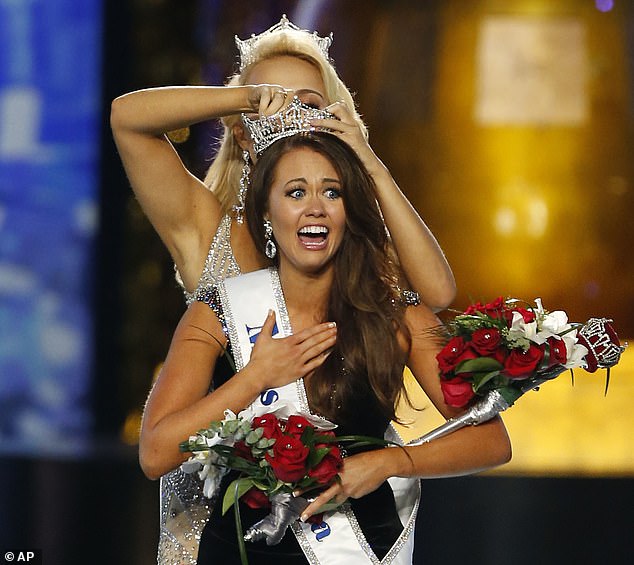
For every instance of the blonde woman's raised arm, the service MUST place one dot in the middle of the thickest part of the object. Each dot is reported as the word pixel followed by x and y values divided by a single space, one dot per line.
pixel 183 212
pixel 419 253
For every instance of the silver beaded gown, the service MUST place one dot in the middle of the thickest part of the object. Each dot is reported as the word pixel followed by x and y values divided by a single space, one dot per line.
pixel 184 510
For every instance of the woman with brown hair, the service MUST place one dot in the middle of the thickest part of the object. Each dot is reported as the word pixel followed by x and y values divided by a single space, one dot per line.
pixel 347 335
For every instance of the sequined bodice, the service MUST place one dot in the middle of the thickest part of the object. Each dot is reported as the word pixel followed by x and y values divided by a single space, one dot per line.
pixel 220 264
pixel 184 510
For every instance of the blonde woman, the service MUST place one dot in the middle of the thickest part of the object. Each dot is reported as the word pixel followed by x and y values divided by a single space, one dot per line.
pixel 202 224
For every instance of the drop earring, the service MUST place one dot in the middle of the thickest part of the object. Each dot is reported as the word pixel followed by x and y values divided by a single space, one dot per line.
pixel 244 186
pixel 269 249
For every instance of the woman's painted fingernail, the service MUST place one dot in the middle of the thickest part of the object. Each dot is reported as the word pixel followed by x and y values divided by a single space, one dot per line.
pixel 304 517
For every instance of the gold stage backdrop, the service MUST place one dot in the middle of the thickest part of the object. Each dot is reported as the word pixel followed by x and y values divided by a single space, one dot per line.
pixel 521 163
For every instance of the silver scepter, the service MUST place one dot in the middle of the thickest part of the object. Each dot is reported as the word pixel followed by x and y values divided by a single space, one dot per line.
pixel 490 405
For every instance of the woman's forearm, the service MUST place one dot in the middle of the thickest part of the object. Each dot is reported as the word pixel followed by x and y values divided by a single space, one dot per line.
pixel 154 111
pixel 419 253
pixel 466 451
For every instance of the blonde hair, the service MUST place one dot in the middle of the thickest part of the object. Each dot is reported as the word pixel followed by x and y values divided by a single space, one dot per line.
pixel 223 176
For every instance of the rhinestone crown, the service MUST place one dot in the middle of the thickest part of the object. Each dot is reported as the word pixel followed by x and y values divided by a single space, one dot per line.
pixel 599 337
pixel 246 47
pixel 293 118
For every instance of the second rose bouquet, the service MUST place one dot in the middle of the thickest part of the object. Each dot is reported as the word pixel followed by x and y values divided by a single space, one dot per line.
pixel 492 345
pixel 497 352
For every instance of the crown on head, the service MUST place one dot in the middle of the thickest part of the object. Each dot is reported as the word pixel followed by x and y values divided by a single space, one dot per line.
pixel 293 118
pixel 246 47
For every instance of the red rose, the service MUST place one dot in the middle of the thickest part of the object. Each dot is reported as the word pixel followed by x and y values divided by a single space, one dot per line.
pixel 327 433
pixel 255 498
pixel 474 309
pixel 296 425
pixel 453 353
pixel 328 467
pixel 500 354
pixel 558 353
pixel 527 315
pixel 485 340
pixel 457 391
pixel 271 425
pixel 521 364
pixel 496 309
pixel 289 459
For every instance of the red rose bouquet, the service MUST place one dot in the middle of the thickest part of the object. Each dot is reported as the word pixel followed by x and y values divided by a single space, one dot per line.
pixel 498 351
pixel 276 453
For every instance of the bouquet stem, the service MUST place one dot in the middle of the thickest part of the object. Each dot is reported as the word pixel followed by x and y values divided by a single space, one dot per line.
pixel 236 511
pixel 285 509
pixel 492 404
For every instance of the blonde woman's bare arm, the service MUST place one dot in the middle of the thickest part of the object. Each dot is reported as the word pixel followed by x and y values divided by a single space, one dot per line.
pixel 183 212
pixel 419 253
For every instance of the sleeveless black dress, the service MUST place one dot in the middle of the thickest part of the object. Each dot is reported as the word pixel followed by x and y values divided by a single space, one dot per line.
pixel 375 512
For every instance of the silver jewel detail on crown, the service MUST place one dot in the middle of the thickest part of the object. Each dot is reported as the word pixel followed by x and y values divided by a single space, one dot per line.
pixel 292 119
pixel 246 47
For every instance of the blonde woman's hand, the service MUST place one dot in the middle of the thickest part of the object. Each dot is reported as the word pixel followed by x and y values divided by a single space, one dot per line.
pixel 267 99
pixel 346 128
pixel 279 361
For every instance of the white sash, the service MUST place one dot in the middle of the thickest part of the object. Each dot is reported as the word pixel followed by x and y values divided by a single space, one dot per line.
pixel 338 540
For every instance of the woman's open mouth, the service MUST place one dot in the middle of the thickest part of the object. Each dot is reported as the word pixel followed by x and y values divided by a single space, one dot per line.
pixel 313 237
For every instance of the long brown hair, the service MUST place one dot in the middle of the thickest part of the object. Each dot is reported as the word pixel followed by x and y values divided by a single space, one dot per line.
pixel 364 300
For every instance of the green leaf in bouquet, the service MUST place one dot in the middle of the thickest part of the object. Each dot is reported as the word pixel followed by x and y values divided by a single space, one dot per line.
pixel 355 441
pixel 263 484
pixel 308 435
pixel 510 394
pixel 480 380
pixel 265 443
pixel 316 456
pixel 254 436
pixel 322 438
pixel 245 427
pixel 239 532
pixel 224 450
pixel 234 491
pixel 306 483
pixel 478 365
pixel 229 428
pixel 240 464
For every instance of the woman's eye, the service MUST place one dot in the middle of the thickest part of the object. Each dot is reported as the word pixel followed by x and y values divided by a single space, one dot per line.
pixel 313 100
pixel 332 193
pixel 296 193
